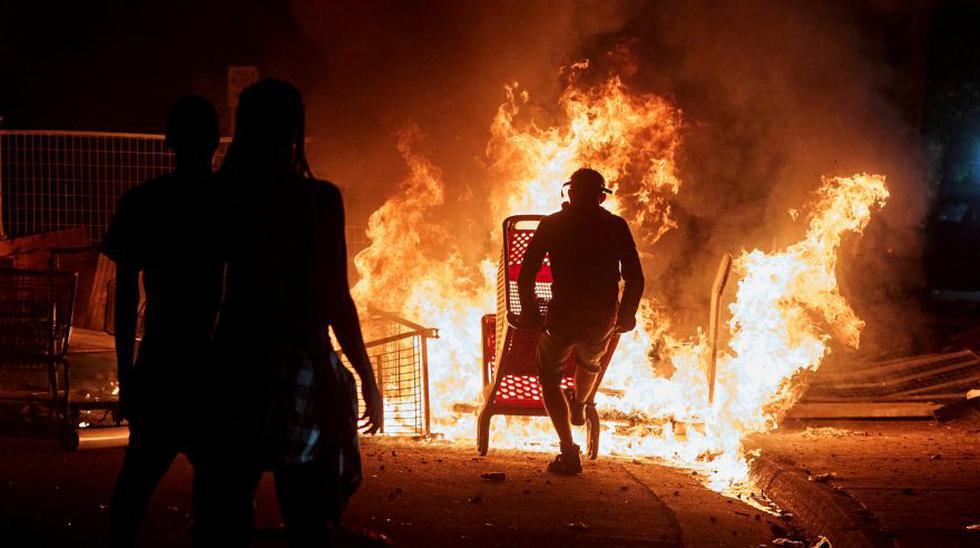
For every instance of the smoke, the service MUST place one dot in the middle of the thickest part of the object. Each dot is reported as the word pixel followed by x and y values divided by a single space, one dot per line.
pixel 383 66
pixel 774 95
pixel 777 94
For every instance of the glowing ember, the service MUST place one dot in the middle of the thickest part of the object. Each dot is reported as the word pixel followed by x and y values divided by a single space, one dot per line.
pixel 786 309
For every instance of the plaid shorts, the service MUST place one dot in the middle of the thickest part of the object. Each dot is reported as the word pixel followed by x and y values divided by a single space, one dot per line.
pixel 553 353
pixel 301 435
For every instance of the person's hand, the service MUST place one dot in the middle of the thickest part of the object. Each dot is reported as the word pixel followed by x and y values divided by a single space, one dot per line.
pixel 531 320
pixel 625 325
pixel 374 413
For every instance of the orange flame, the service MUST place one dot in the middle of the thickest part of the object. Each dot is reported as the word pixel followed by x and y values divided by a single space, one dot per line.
pixel 629 138
pixel 786 309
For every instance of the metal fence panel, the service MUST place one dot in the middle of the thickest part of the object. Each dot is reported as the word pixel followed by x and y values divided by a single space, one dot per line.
pixel 399 354
pixel 51 180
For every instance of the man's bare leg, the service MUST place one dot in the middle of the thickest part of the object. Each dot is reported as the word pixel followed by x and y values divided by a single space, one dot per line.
pixel 554 402
pixel 585 380
pixel 552 354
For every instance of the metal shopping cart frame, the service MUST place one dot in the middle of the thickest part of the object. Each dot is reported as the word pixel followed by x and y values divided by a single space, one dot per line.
pixel 510 371
pixel 36 308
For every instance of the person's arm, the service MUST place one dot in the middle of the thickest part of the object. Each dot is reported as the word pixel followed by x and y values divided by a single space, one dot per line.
pixel 632 273
pixel 126 310
pixel 347 325
pixel 123 244
pixel 530 266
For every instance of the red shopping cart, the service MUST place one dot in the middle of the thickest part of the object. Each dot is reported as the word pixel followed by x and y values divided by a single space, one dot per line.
pixel 510 371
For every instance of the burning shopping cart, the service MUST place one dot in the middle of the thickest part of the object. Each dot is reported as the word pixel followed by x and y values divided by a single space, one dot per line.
pixel 510 371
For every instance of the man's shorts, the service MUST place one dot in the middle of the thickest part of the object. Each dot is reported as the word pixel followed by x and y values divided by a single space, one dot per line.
pixel 553 353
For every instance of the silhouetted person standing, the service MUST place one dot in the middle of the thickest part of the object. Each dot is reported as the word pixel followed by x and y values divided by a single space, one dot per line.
pixel 161 229
pixel 292 405
pixel 590 250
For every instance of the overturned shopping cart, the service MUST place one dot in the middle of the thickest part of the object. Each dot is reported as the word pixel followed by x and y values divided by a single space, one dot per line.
pixel 510 372
pixel 35 321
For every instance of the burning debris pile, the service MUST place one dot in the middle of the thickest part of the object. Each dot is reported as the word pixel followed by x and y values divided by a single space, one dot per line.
pixel 786 310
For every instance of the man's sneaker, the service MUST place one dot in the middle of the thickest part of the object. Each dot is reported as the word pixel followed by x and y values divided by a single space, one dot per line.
pixel 576 410
pixel 567 463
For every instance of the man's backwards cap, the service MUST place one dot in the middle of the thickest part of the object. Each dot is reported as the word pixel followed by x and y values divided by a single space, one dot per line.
pixel 587 178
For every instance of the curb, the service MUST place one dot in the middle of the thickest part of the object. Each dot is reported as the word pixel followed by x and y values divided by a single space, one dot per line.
pixel 818 508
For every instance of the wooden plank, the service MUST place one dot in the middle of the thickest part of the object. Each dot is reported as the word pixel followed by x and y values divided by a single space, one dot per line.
pixel 82 261
pixel 105 271
pixel 39 259
pixel 863 410
pixel 936 397
pixel 76 236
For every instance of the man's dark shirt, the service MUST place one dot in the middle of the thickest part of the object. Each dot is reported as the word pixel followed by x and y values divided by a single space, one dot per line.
pixel 164 227
pixel 589 249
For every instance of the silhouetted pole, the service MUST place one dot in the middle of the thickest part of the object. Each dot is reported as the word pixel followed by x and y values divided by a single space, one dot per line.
pixel 721 279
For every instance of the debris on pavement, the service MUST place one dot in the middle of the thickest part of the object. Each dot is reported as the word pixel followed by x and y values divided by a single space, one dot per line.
pixel 822 542
pixel 494 476
pixel 958 409
pixel 822 478
pixel 782 541
pixel 830 432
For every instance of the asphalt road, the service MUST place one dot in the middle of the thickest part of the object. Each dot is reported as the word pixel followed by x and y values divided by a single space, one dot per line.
pixel 919 479
pixel 415 494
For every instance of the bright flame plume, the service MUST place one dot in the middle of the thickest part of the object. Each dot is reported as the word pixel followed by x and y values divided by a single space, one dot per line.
pixel 786 309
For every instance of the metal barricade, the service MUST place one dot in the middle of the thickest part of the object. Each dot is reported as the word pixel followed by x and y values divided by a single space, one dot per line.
pixel 51 180
pixel 398 350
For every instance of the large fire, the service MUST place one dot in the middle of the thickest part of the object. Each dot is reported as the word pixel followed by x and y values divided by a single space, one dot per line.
pixel 786 308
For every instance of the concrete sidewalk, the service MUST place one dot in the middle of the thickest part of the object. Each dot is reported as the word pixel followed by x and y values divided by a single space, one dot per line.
pixel 416 494
pixel 919 479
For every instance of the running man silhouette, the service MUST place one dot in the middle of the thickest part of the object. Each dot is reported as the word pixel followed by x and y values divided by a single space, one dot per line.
pixel 590 250
pixel 162 229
